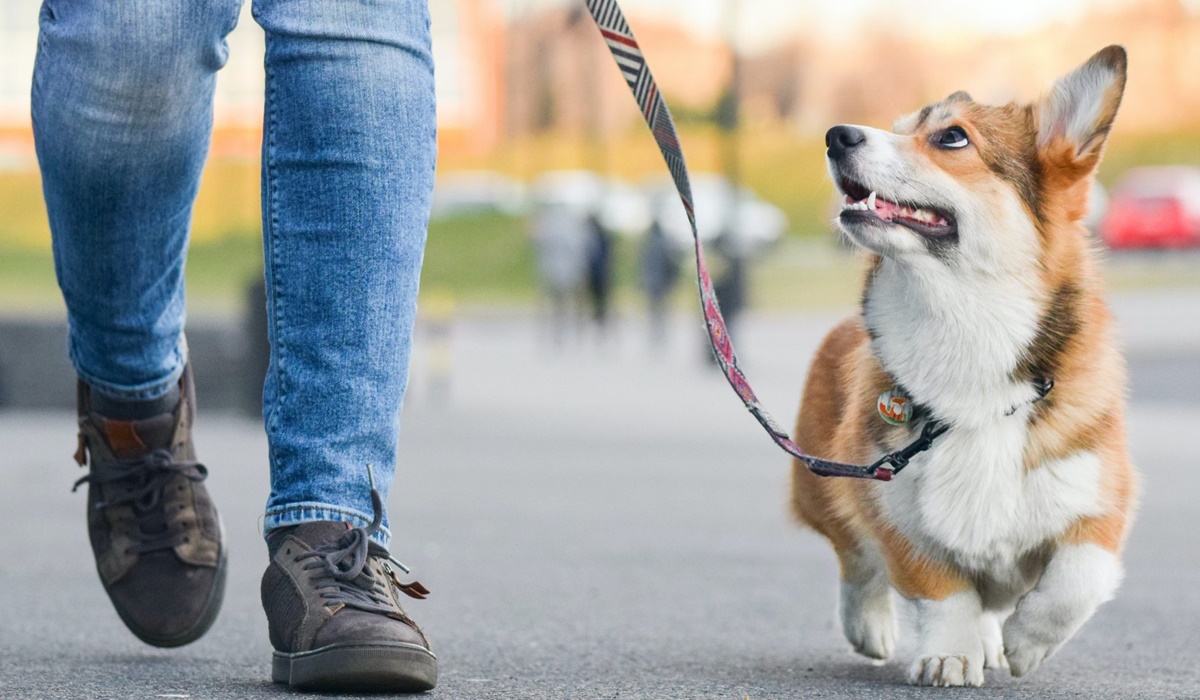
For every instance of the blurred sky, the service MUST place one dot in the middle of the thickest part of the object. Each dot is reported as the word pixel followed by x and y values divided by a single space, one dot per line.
pixel 762 23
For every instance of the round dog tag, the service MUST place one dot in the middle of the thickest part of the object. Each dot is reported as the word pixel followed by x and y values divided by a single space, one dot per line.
pixel 894 407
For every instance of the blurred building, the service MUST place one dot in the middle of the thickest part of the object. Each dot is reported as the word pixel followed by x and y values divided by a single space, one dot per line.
pixel 812 83
pixel 469 54
pixel 560 76
pixel 515 68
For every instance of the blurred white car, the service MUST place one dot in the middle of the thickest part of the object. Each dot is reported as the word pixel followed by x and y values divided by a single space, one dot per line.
pixel 630 210
pixel 621 207
pixel 720 208
pixel 477 191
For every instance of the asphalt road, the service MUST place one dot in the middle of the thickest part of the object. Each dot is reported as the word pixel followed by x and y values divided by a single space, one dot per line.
pixel 599 522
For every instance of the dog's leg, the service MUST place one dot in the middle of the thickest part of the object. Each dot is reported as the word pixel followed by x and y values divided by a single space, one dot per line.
pixel 866 604
pixel 1078 578
pixel 949 647
pixel 993 640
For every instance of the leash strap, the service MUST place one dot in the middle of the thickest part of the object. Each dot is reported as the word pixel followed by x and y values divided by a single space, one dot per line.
pixel 619 37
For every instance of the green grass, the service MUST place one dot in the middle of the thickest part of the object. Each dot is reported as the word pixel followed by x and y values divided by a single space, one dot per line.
pixel 483 257
pixel 489 259
pixel 806 275
pixel 27 283
pixel 219 272
pixel 470 259
pixel 1126 151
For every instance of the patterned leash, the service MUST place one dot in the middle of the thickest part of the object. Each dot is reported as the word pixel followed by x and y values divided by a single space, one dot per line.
pixel 629 58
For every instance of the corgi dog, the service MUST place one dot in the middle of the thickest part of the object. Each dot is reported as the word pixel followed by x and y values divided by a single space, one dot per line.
pixel 982 310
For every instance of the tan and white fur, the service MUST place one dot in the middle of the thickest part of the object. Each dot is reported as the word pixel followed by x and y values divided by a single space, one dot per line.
pixel 1006 535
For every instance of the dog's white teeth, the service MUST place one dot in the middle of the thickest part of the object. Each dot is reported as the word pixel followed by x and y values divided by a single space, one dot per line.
pixel 871 200
pixel 926 216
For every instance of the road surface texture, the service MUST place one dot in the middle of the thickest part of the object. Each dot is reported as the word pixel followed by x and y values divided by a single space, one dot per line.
pixel 600 521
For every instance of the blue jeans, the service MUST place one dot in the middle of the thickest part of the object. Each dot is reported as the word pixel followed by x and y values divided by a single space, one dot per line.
pixel 122 115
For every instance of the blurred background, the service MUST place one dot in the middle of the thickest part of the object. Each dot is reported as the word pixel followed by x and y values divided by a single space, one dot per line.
pixel 552 199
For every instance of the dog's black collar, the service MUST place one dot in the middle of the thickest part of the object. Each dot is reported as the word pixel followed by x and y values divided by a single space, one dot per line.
pixel 895 461
pixel 1042 384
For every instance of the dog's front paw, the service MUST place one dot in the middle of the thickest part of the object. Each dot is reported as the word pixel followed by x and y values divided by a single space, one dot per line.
pixel 946 670
pixel 1025 647
pixel 868 620
pixel 1024 654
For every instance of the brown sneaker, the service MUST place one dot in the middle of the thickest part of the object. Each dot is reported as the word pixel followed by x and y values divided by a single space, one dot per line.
pixel 332 599
pixel 158 541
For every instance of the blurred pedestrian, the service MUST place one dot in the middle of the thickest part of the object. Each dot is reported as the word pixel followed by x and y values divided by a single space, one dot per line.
pixel 658 268
pixel 122 116
pixel 560 242
pixel 599 268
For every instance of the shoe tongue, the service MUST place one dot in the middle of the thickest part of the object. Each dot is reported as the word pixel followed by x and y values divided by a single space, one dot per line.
pixel 319 533
pixel 312 534
pixel 133 438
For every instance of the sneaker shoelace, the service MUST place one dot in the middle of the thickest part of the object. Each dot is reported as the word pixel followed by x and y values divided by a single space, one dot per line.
pixel 142 483
pixel 344 575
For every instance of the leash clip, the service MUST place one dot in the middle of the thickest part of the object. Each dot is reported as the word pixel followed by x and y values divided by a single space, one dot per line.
pixel 890 464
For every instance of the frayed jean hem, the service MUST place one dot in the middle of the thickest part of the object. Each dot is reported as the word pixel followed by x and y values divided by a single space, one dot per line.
pixel 301 513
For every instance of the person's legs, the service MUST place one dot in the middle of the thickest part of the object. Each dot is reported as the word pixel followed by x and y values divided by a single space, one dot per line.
pixel 349 146
pixel 348 156
pixel 122 113
pixel 122 110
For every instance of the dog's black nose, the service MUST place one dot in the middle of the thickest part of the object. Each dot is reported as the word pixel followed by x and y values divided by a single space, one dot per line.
pixel 842 138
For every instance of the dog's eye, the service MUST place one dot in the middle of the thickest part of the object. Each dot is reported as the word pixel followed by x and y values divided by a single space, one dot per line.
pixel 954 137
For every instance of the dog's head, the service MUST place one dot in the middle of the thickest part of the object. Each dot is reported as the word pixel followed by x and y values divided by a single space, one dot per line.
pixel 975 184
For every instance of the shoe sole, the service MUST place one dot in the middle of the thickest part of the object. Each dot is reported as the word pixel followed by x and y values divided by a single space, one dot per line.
pixel 382 666
pixel 212 607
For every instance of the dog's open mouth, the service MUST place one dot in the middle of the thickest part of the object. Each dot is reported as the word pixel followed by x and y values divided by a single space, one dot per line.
pixel 863 204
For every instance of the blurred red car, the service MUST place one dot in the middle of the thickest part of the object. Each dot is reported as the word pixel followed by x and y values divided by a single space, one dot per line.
pixel 1155 207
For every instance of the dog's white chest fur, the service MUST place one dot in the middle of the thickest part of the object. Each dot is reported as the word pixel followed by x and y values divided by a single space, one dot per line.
pixel 971 497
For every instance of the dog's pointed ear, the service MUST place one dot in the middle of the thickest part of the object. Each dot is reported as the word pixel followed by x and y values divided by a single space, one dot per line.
pixel 1075 116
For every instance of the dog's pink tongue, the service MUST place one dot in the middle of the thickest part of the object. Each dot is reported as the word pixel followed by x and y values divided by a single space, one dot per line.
pixel 885 210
